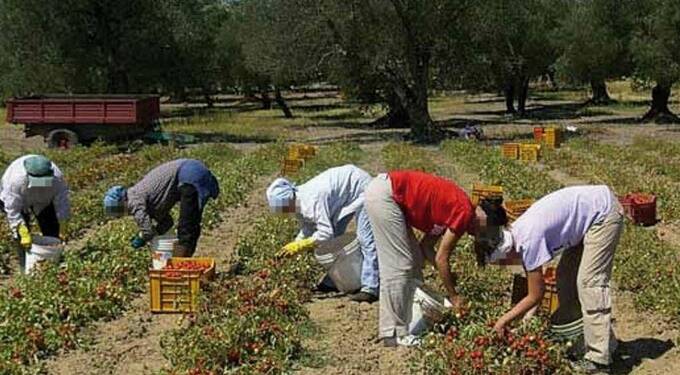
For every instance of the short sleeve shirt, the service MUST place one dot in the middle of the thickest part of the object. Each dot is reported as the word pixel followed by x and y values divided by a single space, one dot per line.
pixel 559 221
pixel 431 204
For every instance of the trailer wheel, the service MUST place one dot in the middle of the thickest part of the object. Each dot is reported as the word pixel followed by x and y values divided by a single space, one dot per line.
pixel 62 138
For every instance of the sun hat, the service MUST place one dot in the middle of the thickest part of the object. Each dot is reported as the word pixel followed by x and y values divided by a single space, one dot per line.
pixel 39 170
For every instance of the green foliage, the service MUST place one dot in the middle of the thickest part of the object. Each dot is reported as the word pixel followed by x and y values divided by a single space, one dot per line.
pixel 594 39
pixel 405 156
pixel 656 43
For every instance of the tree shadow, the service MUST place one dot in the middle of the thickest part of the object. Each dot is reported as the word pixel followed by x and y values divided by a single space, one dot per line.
pixel 633 352
pixel 365 138
pixel 317 107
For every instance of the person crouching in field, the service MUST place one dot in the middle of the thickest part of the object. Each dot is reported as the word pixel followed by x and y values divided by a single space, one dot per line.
pixel 580 222
pixel 399 200
pixel 186 181
pixel 32 184
pixel 325 205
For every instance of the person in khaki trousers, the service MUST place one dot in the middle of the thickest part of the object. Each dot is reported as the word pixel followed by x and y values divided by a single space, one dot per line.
pixel 398 201
pixel 579 221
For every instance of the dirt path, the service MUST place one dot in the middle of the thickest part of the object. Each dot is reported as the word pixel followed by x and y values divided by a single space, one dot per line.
pixel 131 344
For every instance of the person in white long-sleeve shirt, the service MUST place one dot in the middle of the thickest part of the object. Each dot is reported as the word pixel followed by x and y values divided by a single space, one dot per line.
pixel 33 185
pixel 325 205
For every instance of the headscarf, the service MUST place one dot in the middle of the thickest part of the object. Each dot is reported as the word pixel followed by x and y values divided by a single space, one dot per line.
pixel 280 193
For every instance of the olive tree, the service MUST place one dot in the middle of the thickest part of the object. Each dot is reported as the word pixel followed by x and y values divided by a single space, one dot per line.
pixel 593 39
pixel 656 53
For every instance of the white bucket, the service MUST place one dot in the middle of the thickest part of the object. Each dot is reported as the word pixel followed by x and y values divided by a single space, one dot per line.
pixel 44 248
pixel 342 259
pixel 427 309
pixel 163 247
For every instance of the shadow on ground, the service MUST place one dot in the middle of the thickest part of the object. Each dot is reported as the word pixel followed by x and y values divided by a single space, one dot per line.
pixel 635 351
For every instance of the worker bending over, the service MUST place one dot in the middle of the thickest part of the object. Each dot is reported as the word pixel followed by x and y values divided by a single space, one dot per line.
pixel 150 201
pixel 583 223
pixel 32 184
pixel 399 200
pixel 325 206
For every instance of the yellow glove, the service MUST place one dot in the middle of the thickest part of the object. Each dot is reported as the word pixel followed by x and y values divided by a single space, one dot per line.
pixel 24 236
pixel 63 229
pixel 298 246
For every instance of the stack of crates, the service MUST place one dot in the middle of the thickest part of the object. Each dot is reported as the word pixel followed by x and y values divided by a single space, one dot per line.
pixel 510 150
pixel 516 208
pixel 480 191
pixel 177 291
pixel 552 137
pixel 529 152
pixel 291 166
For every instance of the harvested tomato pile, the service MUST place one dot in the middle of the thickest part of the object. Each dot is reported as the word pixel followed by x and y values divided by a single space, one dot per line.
pixel 184 266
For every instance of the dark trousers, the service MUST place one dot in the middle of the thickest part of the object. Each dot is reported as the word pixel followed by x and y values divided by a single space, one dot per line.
pixel 47 219
pixel 190 214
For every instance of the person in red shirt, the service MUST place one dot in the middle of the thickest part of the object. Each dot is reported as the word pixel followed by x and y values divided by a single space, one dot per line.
pixel 399 200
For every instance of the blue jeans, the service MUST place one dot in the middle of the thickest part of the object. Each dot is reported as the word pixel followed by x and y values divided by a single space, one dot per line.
pixel 370 277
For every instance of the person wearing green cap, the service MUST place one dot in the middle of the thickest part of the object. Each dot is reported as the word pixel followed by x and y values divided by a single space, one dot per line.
pixel 32 184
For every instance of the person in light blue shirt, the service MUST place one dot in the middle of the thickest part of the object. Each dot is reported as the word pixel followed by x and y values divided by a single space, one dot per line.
pixel 325 206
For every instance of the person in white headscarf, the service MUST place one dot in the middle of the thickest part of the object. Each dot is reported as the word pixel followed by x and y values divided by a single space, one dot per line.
pixel 325 205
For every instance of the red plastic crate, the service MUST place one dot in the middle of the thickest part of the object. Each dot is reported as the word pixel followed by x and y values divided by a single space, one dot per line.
pixel 640 208
pixel 538 134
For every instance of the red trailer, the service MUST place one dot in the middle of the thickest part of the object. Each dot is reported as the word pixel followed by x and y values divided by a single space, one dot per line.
pixel 65 120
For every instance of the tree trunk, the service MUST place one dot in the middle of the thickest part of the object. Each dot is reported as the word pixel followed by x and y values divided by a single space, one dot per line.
pixel 523 94
pixel 509 92
pixel 659 110
pixel 396 116
pixel 600 94
pixel 266 100
pixel 282 103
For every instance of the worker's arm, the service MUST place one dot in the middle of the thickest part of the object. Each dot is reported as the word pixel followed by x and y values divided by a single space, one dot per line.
pixel 143 220
pixel 322 218
pixel 12 196
pixel 536 289
pixel 62 204
pixel 442 262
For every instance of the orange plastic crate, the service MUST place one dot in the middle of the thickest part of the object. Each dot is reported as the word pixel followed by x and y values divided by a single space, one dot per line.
pixel 529 152
pixel 177 291
pixel 480 191
pixel 510 150
pixel 516 208
pixel 301 151
pixel 640 208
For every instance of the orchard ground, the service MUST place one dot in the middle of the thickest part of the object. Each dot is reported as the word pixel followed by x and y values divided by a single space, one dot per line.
pixel 342 336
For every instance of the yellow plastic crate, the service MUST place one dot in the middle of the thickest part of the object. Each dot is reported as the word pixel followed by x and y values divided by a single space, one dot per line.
pixel 510 150
pixel 529 152
pixel 516 208
pixel 291 166
pixel 480 191
pixel 301 151
pixel 552 137
pixel 176 291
